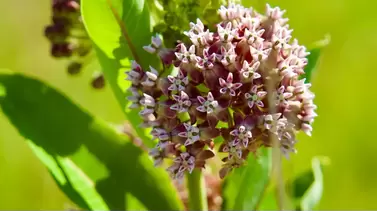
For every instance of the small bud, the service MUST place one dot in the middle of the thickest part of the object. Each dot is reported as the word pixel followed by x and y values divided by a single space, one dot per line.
pixel 56 32
pixel 74 68
pixel 61 50
pixel 98 82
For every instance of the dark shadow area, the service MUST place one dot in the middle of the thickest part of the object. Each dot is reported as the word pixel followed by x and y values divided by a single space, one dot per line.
pixel 60 127
pixel 44 124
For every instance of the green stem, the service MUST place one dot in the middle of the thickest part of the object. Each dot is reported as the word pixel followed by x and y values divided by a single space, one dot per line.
pixel 197 191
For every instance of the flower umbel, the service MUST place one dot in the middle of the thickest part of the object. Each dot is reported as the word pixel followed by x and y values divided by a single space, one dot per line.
pixel 247 74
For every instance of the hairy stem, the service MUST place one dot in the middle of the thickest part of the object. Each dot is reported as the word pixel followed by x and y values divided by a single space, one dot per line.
pixel 197 191
pixel 272 79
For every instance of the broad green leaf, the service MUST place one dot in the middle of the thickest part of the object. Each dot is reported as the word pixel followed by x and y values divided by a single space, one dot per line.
pixel 82 152
pixel 79 187
pixel 119 30
pixel 244 187
pixel 269 201
pixel 306 190
pixel 314 56
pixel 134 204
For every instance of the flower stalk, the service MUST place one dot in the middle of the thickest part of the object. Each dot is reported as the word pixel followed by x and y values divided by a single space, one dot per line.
pixel 197 191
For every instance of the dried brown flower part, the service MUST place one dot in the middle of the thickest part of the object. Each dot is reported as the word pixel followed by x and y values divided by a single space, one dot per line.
pixel 67 35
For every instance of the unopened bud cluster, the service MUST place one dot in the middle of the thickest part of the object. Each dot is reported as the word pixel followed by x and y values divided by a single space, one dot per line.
pixel 241 83
pixel 66 33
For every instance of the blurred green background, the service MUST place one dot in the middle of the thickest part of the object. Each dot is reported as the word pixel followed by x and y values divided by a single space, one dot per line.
pixel 344 86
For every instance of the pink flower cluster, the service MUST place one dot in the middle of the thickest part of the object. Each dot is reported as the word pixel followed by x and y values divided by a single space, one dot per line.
pixel 241 83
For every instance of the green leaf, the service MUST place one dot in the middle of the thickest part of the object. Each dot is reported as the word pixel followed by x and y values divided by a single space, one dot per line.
pixel 84 154
pixel 314 56
pixel 71 180
pixel 119 30
pixel 306 190
pixel 269 201
pixel 245 186
pixel 134 204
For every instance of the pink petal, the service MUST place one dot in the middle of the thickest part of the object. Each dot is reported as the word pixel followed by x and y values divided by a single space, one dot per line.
pixel 212 57
pixel 183 48
pixel 224 62
pixel 184 155
pixel 171 78
pixel 287 95
pixel 254 89
pixel 307 129
pixel 183 134
pixel 178 160
pixel 201 109
pixel 179 55
pixel 260 104
pixel 261 94
pixel 237 85
pixel 205 52
pixel 281 89
pixel 184 60
pixel 210 97
pixel 187 126
pixel 260 32
pixel 245 142
pixel 229 79
pixel 176 97
pixel 149 49
pixel 223 50
pixel 250 104
pixel 192 49
pixel 181 169
pixel 189 142
pixel 239 153
pixel 276 116
pixel 201 99
pixel 228 26
pixel 287 135
pixel 187 103
pixel 180 74
pixel 184 95
pixel 245 64
pixel 234 132
pixel 222 82
pixel 174 107
pixel 245 74
pixel 172 87
pixel 235 142
pixel 190 169
pixel 199 23
pixel 255 65
pixel 185 80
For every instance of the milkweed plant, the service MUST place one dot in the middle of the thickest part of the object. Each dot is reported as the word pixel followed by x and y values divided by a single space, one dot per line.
pixel 215 95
